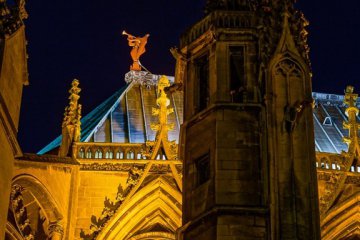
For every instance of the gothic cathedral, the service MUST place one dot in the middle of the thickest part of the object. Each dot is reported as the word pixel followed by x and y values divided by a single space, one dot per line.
pixel 234 146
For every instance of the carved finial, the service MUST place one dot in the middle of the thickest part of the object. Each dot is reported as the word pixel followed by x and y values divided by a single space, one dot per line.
pixel 162 127
pixel 351 111
pixel 22 10
pixel 138 49
pixel 71 126
pixel 162 111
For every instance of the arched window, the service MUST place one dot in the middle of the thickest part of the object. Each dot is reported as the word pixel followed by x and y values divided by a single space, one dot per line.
pixel 327 121
pixel 119 154
pixel 88 154
pixel 130 155
pixel 109 154
pixel 333 166
pixel 98 154
pixel 138 156
pixel 81 153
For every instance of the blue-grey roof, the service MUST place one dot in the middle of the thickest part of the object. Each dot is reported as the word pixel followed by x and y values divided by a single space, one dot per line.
pixel 329 114
pixel 125 117
pixel 89 122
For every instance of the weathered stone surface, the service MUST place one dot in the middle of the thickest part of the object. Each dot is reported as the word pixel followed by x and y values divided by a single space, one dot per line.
pixel 12 78
pixel 258 154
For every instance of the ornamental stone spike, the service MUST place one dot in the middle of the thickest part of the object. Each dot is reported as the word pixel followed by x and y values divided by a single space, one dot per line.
pixel 71 126
pixel 351 125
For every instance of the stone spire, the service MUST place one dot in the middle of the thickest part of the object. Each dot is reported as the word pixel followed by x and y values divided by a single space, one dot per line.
pixel 352 125
pixel 71 129
pixel 162 127
pixel 338 179
pixel 11 17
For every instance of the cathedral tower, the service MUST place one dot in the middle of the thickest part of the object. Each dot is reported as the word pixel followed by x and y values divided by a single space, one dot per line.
pixel 247 139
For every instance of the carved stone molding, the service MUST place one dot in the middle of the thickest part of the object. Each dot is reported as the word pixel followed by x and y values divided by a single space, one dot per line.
pixel 12 16
pixel 143 78
pixel 56 231
pixel 110 208
pixel 125 167
pixel 20 212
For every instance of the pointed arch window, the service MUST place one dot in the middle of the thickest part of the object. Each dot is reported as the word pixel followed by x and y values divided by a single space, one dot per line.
pixel 81 153
pixel 202 165
pixel 138 156
pixel 88 154
pixel 119 154
pixel 333 166
pixel 130 155
pixel 98 154
pixel 109 154
pixel 203 84
pixel 237 74
pixel 327 121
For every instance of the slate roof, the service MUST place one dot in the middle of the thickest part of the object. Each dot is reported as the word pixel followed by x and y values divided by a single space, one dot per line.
pixel 125 117
pixel 329 114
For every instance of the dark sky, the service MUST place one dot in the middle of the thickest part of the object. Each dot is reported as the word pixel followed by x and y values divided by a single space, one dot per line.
pixel 83 40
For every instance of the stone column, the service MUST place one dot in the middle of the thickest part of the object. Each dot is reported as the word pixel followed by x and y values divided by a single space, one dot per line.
pixel 56 231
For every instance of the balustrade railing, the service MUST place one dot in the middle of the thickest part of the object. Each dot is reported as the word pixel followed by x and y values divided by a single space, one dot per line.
pixel 117 151
pixel 333 162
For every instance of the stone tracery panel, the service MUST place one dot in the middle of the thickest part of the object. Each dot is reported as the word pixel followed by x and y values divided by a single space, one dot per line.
pixel 19 212
pixel 32 211
pixel 293 158
pixel 29 218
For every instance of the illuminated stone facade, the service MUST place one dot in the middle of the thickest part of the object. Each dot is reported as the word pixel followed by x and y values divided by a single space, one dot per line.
pixel 338 164
pixel 13 67
pixel 99 188
pixel 247 144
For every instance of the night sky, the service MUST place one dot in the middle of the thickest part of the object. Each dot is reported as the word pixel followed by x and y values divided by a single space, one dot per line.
pixel 83 40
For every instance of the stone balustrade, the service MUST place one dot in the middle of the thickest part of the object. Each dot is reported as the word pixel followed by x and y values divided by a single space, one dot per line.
pixel 333 162
pixel 116 151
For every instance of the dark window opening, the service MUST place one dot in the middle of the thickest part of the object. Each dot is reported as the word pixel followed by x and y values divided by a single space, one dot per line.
pixel 202 72
pixel 237 74
pixel 202 169
pixel 327 121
